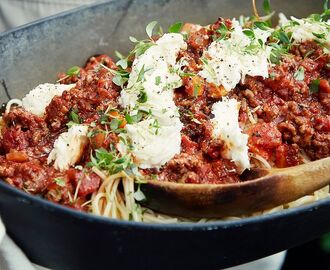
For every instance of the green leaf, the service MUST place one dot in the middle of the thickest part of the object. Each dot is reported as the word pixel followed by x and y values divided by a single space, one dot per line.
pixel 141 47
pixel 262 25
pixel 140 76
pixel 118 80
pixel 74 116
pixel 314 87
pixel 103 118
pixel 249 33
pixel 120 160
pixel 150 28
pixel 129 119
pixel 208 67
pixel 114 124
pixel 123 63
pixel 119 55
pixel 133 39
pixel 266 6
pixel 60 182
pixel 319 35
pixel 196 89
pixel 103 155
pixel 325 6
pixel 187 74
pixel 223 30
pixel 142 97
pixel 283 37
pixel 175 27
pixel 252 49
pixel 315 17
pixel 110 161
pixel 75 70
pixel 277 51
pixel 299 75
pixel 157 80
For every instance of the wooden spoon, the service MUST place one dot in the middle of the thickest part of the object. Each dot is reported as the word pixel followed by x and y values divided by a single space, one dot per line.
pixel 268 189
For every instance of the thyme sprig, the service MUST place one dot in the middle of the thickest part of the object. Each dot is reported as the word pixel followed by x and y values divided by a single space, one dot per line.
pixel 110 161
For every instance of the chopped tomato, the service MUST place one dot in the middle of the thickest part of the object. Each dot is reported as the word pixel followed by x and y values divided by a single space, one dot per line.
pixel 215 91
pixel 188 145
pixel 324 86
pixel 89 181
pixel 97 140
pixel 265 135
pixel 286 156
pixel 194 85
pixel 17 156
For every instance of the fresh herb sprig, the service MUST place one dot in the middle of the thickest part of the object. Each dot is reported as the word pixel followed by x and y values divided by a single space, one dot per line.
pixel 59 181
pixel 175 27
pixel 74 118
pixel 140 45
pixel 110 161
pixel 314 86
pixel 299 75
pixel 75 70
pixel 120 76
pixel 113 120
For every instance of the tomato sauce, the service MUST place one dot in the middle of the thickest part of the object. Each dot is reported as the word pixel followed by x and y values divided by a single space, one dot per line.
pixel 290 120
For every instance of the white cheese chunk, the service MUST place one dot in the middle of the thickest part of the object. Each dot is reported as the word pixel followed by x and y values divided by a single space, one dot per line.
pixel 226 127
pixel 68 147
pixel 153 149
pixel 228 61
pixel 308 29
pixel 38 98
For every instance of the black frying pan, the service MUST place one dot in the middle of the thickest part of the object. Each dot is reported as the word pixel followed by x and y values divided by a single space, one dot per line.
pixel 61 238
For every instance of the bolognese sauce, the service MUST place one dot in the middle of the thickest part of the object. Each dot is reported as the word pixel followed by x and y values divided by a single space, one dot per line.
pixel 283 115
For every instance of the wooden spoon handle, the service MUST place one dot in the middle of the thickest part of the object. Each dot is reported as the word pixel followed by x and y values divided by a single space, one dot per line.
pixel 301 180
pixel 278 187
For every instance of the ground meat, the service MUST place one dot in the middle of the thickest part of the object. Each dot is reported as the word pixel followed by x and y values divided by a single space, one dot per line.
pixel 94 92
pixel 26 131
pixel 301 117
pixel 14 138
pixel 320 146
pixel 30 176
pixel 187 168
pixel 199 40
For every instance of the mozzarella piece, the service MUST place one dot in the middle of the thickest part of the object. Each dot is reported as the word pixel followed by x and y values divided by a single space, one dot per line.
pixel 68 147
pixel 38 98
pixel 153 149
pixel 303 29
pixel 226 127
pixel 158 80
pixel 229 61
